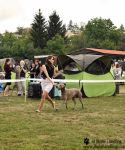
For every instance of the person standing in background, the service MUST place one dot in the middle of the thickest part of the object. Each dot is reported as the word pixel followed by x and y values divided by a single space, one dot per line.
pixel 7 68
pixel 118 76
pixel 113 68
pixel 37 69
pixel 32 70
pixel 23 71
pixel 17 71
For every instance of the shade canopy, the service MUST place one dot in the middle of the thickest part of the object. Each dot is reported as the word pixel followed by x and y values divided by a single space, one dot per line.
pixel 94 51
pixel 94 64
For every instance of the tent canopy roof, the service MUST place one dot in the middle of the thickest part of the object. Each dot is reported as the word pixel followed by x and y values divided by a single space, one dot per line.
pixel 112 53
pixel 84 61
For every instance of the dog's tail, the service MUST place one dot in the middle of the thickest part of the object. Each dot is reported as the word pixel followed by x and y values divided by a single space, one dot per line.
pixel 82 91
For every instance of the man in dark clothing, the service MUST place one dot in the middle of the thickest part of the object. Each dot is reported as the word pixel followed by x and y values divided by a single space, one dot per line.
pixel 37 69
pixel 32 71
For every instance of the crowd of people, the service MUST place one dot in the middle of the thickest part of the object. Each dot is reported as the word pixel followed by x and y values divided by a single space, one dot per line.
pixel 46 71
pixel 20 69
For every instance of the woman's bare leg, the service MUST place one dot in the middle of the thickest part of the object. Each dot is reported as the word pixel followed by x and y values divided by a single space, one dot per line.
pixel 6 91
pixel 51 101
pixel 44 96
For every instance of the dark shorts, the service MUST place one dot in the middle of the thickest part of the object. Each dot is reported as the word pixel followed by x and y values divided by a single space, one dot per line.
pixel 8 83
pixel 8 78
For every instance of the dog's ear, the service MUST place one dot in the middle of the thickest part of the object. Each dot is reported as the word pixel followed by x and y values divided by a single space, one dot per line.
pixel 58 86
pixel 63 87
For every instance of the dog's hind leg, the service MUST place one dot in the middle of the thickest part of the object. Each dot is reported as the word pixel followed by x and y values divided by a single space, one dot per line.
pixel 73 99
pixel 66 104
pixel 80 99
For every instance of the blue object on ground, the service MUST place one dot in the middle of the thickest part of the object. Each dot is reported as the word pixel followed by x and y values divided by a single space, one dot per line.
pixel 1 87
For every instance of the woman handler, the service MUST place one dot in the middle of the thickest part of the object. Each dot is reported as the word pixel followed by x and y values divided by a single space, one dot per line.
pixel 47 71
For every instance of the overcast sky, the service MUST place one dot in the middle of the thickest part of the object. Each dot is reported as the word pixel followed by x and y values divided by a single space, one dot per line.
pixel 20 13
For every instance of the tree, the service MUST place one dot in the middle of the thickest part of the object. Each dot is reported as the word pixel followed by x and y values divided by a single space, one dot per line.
pixel 121 42
pixel 8 40
pixel 98 31
pixel 55 26
pixel 20 30
pixel 122 28
pixel 73 27
pixel 77 42
pixel 70 25
pixel 1 38
pixel 56 45
pixel 38 31
pixel 23 47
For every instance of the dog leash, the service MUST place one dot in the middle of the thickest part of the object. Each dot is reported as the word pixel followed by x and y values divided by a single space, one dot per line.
pixel 79 83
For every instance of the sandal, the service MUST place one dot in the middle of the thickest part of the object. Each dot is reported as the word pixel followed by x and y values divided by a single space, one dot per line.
pixel 38 111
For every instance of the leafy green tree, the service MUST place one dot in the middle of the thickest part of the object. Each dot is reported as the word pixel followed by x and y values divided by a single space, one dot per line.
pixel 70 25
pixel 122 28
pixel 73 27
pixel 1 39
pixel 8 40
pixel 77 42
pixel 108 44
pixel 55 26
pixel 24 47
pixel 20 30
pixel 56 45
pixel 99 30
pixel 121 42
pixel 3 53
pixel 38 31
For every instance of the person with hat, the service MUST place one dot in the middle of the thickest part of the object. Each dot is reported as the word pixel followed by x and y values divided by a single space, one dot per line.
pixel 23 71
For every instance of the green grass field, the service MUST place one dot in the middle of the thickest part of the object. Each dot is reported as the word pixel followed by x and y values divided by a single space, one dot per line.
pixel 21 128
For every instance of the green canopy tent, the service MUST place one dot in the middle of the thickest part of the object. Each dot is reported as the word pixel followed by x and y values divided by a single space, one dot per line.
pixel 88 67
pixel 90 64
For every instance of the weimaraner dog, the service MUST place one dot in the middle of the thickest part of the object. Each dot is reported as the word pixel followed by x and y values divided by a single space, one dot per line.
pixel 70 94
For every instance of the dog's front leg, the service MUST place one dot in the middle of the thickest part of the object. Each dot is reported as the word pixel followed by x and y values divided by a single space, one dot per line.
pixel 65 100
pixel 66 104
